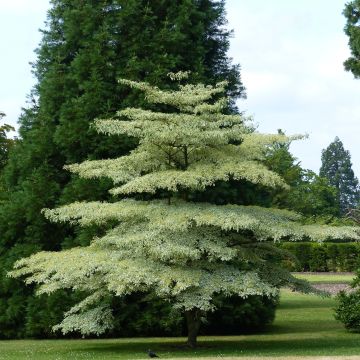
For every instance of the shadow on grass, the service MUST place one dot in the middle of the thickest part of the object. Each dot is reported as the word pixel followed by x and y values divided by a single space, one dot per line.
pixel 244 346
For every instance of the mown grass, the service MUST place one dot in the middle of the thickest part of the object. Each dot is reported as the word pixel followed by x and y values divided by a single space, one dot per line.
pixel 326 278
pixel 304 326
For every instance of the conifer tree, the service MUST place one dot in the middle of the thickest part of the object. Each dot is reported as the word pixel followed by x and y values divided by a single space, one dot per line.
pixel 352 30
pixel 183 251
pixel 337 168
pixel 5 143
pixel 86 46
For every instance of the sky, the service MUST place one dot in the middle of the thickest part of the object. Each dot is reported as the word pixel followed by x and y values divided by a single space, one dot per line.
pixel 291 54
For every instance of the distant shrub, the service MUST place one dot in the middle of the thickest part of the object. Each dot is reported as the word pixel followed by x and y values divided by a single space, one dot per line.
pixel 348 306
pixel 348 310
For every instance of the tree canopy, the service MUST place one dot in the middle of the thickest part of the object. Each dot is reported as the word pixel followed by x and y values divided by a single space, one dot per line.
pixel 337 168
pixel 352 30
pixel 5 143
pixel 183 251
pixel 85 47
pixel 309 194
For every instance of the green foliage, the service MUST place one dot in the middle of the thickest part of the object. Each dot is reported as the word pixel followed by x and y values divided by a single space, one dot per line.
pixel 348 310
pixel 43 311
pixel 348 306
pixel 352 30
pixel 5 143
pixel 313 196
pixel 279 159
pixel 317 261
pixel 322 257
pixel 140 315
pixel 336 167
pixel 235 315
pixel 150 316
pixel 354 215
pixel 181 251
pixel 309 194
pixel 85 48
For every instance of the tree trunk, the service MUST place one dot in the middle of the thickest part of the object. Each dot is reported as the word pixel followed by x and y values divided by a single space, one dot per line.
pixel 193 321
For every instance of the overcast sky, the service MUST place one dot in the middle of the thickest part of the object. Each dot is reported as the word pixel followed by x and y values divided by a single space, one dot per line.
pixel 291 54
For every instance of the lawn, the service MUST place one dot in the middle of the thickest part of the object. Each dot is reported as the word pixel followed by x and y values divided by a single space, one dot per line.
pixel 326 278
pixel 304 326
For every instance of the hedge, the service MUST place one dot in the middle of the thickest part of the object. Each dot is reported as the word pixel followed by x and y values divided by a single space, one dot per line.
pixel 322 257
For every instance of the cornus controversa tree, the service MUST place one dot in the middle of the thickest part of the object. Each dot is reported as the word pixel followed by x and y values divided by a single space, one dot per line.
pixel 85 47
pixel 183 251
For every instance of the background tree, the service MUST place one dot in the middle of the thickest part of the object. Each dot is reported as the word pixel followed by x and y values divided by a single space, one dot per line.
pixel 280 160
pixel 308 193
pixel 352 30
pixel 313 197
pixel 354 215
pixel 86 46
pixel 347 310
pixel 183 251
pixel 5 143
pixel 336 167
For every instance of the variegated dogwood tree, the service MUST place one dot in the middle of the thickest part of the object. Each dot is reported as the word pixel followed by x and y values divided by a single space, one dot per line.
pixel 180 250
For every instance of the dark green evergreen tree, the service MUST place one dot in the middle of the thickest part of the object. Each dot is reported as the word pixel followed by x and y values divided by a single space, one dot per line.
pixel 85 48
pixel 352 30
pixel 5 143
pixel 337 168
